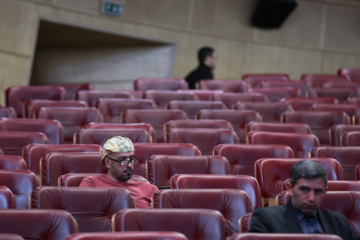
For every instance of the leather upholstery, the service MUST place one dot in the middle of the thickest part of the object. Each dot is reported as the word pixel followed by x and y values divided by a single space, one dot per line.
pixel 340 93
pixel 145 150
pixel 92 208
pixel 7 112
pixel 51 128
pixel 337 130
pixel 350 109
pixel 163 97
pixel 353 74
pixel 193 107
pixel 357 172
pixel 135 235
pixel 230 99
pixel 195 224
pixel 197 136
pixel 231 203
pixel 202 94
pixel 7 199
pixel 237 86
pixel 316 80
pixel 283 236
pixel 253 80
pixel 11 162
pixel 160 168
pixel 242 157
pixel 275 94
pixel 278 83
pixel 10 236
pixel 205 181
pixel 32 153
pixel 244 223
pixel 304 104
pixel 269 111
pixel 278 127
pixel 73 88
pixel 300 143
pixel 351 138
pixel 160 84
pixel 92 96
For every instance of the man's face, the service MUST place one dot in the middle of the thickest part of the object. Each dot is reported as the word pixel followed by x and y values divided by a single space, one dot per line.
pixel 307 194
pixel 116 170
pixel 210 61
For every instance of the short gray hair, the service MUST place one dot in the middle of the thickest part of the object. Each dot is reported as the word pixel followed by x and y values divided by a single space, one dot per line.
pixel 307 169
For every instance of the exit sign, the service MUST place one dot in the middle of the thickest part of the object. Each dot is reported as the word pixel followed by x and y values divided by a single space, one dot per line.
pixel 112 8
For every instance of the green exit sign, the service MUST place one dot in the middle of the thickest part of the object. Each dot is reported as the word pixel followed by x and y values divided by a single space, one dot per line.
pixel 112 8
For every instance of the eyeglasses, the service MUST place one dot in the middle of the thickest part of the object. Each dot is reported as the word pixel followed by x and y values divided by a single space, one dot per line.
pixel 124 161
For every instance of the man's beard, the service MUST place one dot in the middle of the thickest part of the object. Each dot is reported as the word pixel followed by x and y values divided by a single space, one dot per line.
pixel 126 175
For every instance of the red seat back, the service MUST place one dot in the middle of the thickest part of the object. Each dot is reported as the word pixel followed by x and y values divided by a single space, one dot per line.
pixel 278 127
pixel 341 93
pixel 7 112
pixel 136 235
pixel 92 96
pixel 193 107
pixel 269 111
pixel 237 86
pixel 144 84
pixel 316 80
pixel 283 236
pixel 275 94
pixel 12 162
pixel 73 88
pixel 351 138
pixel 304 104
pixel 254 79
pixel 353 74
pixel 7 199
pixel 163 97
pixel 230 99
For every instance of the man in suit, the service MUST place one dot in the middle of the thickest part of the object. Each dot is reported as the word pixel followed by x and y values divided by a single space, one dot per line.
pixel 302 214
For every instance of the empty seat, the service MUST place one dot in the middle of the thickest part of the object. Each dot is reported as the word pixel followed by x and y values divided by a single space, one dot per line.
pixel 230 99
pixel 244 223
pixel 7 199
pixel 51 128
pixel 203 94
pixel 351 138
pixel 350 109
pixel 156 117
pixel 269 111
pixel 16 97
pixel 275 94
pixel 32 107
pixel 92 96
pixel 224 85
pixel 316 80
pixel 92 208
pixel 353 100
pixel 213 181
pixel 254 79
pixel 7 112
pixel 145 150
pixel 275 83
pixel 337 130
pixel 304 104
pixel 73 88
pixel 242 157
pixel 21 183
pixel 10 236
pixel 113 109
pixel 204 138
pixel 332 84
pixel 195 224
pixel 300 143
pixel 136 235
pixel 319 122
pixel 238 119
pixel 144 84
pixel 160 168
pixel 341 94
pixel 193 107
pixel 163 97
pixel 348 157
pixel 80 116
pixel 357 172
pixel 231 203
pixel 12 162
pixel 283 236
pixel 278 127
pixel 353 74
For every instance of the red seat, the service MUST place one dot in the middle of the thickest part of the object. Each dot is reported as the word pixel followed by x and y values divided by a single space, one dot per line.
pixel 353 74
pixel 100 136
pixel 51 128
pixel 237 86
pixel 16 97
pixel 47 224
pixel 356 119
pixel 7 199
pixel 231 203
pixel 10 236
pixel 353 100
pixel 160 168
pixel 300 143
pixel 304 104
pixel 275 94
pixel 92 208
pixel 92 96
pixel 269 111
pixel 21 183
pixel 351 138
pixel 163 97
pixel 145 150
pixel 238 119
pixel 136 235
pixel 230 99
pixel 113 109
pixel 80 116
pixel 278 127
pixel 276 84
pixel 144 84
pixel 12 142
pixel 212 181
pixel 32 107
pixel 193 107
pixel 202 94
pixel 332 185
pixel 55 164
pixel 316 80
pixel 350 109
pixel 1 152
pixel 244 223
pixel 197 137
pixel 195 224
pixel 283 236
pixel 156 117
pixel 334 84
pixel 341 94
pixel 242 157
pixel 357 172
pixel 7 112
pixel 348 157
pixel 73 88
pixel 254 79
pixel 11 162
pixel 337 130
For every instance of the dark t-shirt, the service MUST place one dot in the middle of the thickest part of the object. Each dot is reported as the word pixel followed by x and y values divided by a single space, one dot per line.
pixel 201 72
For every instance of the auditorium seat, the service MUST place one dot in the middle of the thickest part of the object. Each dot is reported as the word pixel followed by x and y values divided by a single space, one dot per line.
pixel 300 143
pixel 160 168
pixel 304 104
pixel 283 236
pixel 191 108
pixel 351 138
pixel 21 183
pixel 7 199
pixel 238 118
pixel 242 157
pixel 231 203
pixel 332 185
pixel 17 96
pixel 10 236
pixel 100 136
pixel 230 99
pixel 269 111
pixel 12 142
pixel 204 138
pixel 320 122
pixel 316 80
pixel 92 208
pixel 348 157
pixel 237 86
pixel 335 84
pixel 113 109
pixel 195 224
pixel 350 109
pixel 55 164
pixel 353 100
pixel 51 128
pixel 156 117
pixel 145 150
pixel 32 107
pixel 337 130
pixel 356 119
pixel 144 84
pixel 7 112
pixel 92 96
pixel 130 235
pixel 278 127
pixel 80 116
pixel 244 223
pixel 275 94
pixel 202 94
pixel 73 88
pixel 215 181
pixel 357 172
pixel 275 83
pixel 163 97
pixel 50 224
pixel 11 162
pixel 352 74
pixel 341 94
pixel 253 80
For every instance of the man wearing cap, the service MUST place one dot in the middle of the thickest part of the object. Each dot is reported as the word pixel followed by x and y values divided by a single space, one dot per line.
pixel 118 157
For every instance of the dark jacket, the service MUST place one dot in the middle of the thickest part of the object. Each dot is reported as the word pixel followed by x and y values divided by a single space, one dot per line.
pixel 201 72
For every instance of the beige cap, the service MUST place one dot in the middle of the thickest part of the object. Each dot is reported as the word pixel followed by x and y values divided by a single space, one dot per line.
pixel 117 145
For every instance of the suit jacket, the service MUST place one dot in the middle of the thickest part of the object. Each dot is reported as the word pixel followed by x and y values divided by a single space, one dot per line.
pixel 283 219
